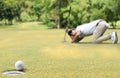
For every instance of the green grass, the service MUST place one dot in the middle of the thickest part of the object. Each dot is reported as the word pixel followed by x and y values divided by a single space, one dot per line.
pixel 46 56
pixel 118 24
pixel 25 26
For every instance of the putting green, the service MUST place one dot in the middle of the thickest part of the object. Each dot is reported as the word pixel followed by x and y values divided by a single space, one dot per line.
pixel 46 56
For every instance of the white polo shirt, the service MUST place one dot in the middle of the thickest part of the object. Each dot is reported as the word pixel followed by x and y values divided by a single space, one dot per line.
pixel 88 28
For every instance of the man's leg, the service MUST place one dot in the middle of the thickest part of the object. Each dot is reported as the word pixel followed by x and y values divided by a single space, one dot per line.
pixel 98 36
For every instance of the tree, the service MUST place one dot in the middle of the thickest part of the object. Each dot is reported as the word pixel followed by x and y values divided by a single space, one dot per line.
pixel 37 8
pixel 9 9
pixel 112 12
pixel 62 12
pixel 1 10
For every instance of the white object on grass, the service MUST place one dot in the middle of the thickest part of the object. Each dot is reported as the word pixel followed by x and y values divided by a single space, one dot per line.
pixel 19 65
pixel 114 37
pixel 13 73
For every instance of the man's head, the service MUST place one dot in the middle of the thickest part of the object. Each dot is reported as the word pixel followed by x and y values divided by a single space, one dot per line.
pixel 71 32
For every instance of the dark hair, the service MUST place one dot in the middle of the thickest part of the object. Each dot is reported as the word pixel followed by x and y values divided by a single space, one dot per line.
pixel 70 32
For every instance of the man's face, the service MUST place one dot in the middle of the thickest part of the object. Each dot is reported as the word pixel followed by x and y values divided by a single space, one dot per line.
pixel 73 32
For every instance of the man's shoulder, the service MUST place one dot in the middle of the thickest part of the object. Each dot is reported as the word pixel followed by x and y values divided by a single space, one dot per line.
pixel 96 20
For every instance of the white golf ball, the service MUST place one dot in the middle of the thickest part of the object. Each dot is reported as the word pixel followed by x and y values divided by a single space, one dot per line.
pixel 19 65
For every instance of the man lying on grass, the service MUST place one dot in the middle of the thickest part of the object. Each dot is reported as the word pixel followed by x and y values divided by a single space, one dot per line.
pixel 96 29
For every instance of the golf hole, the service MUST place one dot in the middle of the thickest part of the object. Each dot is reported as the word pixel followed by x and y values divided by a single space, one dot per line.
pixel 13 73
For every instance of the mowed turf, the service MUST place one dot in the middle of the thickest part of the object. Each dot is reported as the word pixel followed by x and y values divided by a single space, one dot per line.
pixel 46 56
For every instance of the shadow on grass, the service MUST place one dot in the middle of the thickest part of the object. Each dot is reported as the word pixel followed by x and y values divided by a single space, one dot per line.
pixel 95 43
pixel 15 70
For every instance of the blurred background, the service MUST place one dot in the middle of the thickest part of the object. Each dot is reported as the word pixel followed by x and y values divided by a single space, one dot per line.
pixel 59 13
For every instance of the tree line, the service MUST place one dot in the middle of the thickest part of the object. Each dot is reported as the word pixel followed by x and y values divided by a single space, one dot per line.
pixel 60 13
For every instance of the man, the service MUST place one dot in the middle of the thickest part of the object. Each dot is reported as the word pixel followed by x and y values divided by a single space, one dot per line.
pixel 96 29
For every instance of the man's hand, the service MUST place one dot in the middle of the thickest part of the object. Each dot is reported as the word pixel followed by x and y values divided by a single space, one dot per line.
pixel 76 37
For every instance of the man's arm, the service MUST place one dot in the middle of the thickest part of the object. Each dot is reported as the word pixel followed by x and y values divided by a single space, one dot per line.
pixel 75 38
pixel 71 37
